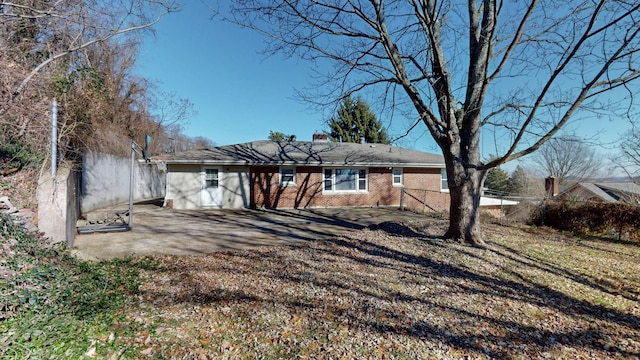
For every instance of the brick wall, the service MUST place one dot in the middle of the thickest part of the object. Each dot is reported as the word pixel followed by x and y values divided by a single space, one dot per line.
pixel 266 191
pixel 425 200
pixel 422 190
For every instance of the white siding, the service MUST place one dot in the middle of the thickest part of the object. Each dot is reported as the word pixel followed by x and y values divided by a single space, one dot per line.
pixel 184 185
pixel 235 187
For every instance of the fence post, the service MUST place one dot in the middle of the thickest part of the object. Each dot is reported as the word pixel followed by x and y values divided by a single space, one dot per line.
pixel 402 198
pixel 501 208
pixel 424 203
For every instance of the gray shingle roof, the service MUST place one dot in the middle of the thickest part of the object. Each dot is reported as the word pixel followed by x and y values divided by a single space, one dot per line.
pixel 268 152
pixel 627 187
pixel 598 191
pixel 609 192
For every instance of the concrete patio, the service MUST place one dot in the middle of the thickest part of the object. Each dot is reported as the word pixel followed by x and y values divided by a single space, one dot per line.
pixel 157 230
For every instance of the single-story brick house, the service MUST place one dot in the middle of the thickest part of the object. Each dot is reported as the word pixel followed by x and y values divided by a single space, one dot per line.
pixel 304 174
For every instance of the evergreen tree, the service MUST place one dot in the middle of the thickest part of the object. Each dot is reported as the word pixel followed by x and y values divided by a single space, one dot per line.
pixel 355 121
pixel 518 181
pixel 280 136
pixel 497 179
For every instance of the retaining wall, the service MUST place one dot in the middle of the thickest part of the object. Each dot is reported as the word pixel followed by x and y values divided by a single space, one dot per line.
pixel 105 181
pixel 58 205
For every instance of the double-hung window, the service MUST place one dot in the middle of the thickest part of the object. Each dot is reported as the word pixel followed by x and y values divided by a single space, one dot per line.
pixel 287 177
pixel 397 177
pixel 444 185
pixel 211 178
pixel 362 180
pixel 345 180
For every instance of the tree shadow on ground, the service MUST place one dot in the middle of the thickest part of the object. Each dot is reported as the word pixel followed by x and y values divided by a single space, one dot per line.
pixel 530 292
pixel 397 229
pixel 317 217
pixel 539 263
pixel 339 266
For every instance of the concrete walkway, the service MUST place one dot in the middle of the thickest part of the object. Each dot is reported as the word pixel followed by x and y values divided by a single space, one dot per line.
pixel 158 230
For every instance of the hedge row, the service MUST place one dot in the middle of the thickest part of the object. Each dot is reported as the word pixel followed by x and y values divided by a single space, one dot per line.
pixel 594 218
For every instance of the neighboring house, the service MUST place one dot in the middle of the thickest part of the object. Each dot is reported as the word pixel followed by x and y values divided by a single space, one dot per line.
pixel 299 174
pixel 495 206
pixel 626 192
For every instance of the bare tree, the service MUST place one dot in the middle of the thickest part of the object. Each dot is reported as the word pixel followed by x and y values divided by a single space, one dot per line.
pixel 175 140
pixel 630 148
pixel 47 32
pixel 520 69
pixel 103 105
pixel 80 53
pixel 200 142
pixel 567 157
pixel 169 109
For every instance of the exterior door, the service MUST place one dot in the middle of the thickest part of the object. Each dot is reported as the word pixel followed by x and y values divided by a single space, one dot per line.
pixel 211 187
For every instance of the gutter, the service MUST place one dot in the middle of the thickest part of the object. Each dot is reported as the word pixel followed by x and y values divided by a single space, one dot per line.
pixel 294 163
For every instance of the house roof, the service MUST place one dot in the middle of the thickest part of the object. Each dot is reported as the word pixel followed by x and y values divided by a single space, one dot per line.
pixel 268 152
pixel 608 192
pixel 627 187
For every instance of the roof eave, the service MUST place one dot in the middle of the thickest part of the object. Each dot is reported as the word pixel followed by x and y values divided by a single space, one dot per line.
pixel 294 163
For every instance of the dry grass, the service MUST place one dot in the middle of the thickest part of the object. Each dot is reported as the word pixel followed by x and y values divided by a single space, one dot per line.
pixel 533 293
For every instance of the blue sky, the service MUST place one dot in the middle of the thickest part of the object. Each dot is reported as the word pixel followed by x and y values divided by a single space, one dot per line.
pixel 240 95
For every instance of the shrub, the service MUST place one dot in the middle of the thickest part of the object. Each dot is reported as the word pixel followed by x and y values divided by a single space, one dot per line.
pixel 591 218
pixel 14 154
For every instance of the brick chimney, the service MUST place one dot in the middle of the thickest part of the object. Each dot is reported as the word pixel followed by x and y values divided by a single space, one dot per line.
pixel 320 137
pixel 551 186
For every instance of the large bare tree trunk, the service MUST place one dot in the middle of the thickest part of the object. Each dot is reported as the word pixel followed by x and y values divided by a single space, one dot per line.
pixel 464 208
pixel 537 64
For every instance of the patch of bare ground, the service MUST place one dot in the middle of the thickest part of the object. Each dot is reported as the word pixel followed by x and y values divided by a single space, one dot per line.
pixel 398 291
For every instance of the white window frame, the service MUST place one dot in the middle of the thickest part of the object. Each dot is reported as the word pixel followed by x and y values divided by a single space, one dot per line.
pixel 365 179
pixel 444 186
pixel 331 171
pixel 284 183
pixel 399 177
pixel 212 177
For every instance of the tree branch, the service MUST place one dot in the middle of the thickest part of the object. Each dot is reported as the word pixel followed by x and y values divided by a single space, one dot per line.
pixel 18 90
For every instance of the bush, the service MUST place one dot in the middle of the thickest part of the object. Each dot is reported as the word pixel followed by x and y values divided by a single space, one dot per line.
pixel 56 306
pixel 13 154
pixel 592 218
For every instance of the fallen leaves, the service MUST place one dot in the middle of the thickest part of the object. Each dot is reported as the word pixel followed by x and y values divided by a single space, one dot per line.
pixel 374 294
